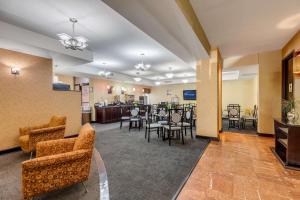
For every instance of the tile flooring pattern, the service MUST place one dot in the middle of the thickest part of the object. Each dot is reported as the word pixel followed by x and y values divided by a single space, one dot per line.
pixel 241 167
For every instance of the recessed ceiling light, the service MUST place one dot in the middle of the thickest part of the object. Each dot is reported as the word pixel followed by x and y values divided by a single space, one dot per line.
pixel 184 80
pixel 137 79
pixel 157 83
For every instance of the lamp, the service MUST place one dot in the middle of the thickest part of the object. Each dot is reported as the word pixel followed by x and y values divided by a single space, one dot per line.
pixel 15 70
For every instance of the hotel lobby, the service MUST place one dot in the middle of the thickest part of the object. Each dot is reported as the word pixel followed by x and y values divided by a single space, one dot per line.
pixel 136 99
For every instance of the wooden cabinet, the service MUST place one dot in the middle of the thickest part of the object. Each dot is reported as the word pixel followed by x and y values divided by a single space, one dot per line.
pixel 108 114
pixel 287 140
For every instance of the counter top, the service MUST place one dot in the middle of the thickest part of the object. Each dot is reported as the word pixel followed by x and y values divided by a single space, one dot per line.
pixel 285 123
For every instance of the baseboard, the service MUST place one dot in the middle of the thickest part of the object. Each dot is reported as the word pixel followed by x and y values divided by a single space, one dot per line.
pixel 190 173
pixel 217 139
pixel 14 149
pixel 265 134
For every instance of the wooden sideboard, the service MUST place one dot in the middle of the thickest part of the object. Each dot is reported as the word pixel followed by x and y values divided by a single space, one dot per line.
pixel 108 114
pixel 287 143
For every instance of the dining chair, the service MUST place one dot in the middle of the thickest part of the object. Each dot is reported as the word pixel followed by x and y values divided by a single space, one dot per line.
pixel 151 126
pixel 125 116
pixel 135 119
pixel 162 117
pixel 234 112
pixel 252 118
pixel 173 128
pixel 187 120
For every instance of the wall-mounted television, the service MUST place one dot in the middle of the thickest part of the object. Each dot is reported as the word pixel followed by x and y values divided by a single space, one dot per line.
pixel 189 94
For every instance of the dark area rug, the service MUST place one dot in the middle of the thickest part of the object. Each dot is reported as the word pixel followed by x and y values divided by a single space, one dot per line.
pixel 138 170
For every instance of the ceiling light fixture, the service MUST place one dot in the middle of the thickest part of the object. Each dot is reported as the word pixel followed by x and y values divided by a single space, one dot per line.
pixel 157 83
pixel 137 79
pixel 15 70
pixel 105 74
pixel 73 42
pixel 141 66
pixel 184 80
pixel 170 75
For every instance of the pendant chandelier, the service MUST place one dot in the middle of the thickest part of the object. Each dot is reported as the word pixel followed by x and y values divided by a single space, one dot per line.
pixel 73 42
pixel 141 66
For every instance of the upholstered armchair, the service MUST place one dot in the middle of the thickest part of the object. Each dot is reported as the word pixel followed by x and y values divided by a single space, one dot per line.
pixel 30 136
pixel 58 163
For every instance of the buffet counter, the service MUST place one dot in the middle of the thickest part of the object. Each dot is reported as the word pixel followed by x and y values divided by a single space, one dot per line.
pixel 110 114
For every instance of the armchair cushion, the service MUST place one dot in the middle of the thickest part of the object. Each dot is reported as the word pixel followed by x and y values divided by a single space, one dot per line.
pixel 57 121
pixel 86 138
pixel 53 147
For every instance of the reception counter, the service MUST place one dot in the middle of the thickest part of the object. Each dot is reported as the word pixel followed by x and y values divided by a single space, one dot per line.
pixel 110 114
pixel 287 143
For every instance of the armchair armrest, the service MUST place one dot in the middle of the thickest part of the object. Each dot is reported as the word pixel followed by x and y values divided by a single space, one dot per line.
pixel 55 160
pixel 53 147
pixel 46 130
pixel 27 130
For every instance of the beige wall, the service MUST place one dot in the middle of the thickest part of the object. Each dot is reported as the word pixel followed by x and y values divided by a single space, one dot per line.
pixel 28 99
pixel 167 92
pixel 269 104
pixel 243 92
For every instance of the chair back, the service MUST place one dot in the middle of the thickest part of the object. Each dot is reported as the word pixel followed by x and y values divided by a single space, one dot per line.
pixel 57 121
pixel 234 111
pixel 175 116
pixel 86 138
pixel 134 112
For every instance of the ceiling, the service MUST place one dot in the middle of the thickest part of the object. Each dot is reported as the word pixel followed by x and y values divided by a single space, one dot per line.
pixel 241 27
pixel 115 42
pixel 119 31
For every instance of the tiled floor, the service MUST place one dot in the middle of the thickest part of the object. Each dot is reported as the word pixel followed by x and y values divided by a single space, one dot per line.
pixel 241 167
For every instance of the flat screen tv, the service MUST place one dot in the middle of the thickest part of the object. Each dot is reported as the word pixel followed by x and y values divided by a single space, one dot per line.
pixel 189 94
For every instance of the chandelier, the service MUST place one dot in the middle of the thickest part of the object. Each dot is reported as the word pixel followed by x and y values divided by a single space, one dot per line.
pixel 73 42
pixel 105 74
pixel 141 66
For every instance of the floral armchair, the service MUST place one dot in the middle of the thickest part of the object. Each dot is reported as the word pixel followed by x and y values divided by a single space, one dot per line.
pixel 59 163
pixel 30 136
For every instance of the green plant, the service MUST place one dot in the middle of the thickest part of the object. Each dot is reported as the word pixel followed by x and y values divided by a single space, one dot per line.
pixel 288 105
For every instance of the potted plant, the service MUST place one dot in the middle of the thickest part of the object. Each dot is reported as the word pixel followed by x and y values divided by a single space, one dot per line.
pixel 288 110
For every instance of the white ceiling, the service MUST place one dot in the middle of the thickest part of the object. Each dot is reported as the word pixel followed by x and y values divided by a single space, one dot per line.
pixel 112 38
pixel 241 27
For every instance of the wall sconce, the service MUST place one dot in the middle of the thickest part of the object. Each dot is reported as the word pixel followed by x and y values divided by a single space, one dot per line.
pixel 133 89
pixel 109 89
pixel 15 70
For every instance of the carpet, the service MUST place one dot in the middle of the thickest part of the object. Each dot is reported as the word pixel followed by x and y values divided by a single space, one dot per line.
pixel 138 170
